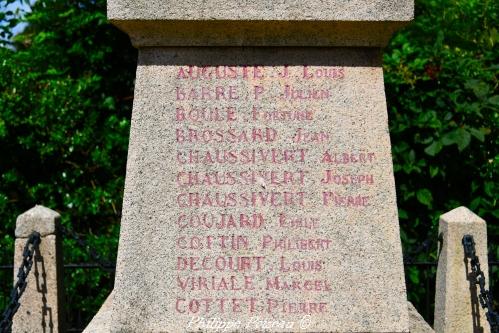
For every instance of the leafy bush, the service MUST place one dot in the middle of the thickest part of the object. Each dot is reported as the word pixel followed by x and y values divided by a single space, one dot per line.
pixel 65 105
pixel 441 84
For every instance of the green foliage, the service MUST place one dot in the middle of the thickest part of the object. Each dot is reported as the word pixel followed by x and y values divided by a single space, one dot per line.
pixel 65 99
pixel 65 104
pixel 441 83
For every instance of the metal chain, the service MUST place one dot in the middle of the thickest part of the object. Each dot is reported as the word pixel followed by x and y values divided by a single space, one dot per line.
pixel 478 276
pixel 28 254
pixel 105 265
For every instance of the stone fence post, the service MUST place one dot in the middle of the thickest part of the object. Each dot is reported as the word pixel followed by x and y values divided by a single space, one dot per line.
pixel 457 308
pixel 41 303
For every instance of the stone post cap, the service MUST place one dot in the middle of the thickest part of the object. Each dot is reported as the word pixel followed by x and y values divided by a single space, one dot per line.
pixel 461 215
pixel 38 218
pixel 260 22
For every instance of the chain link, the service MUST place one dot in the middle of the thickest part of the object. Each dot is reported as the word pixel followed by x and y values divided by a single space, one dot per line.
pixel 485 296
pixel 29 251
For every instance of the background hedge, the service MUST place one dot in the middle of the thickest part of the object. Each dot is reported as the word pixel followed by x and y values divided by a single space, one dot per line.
pixel 66 89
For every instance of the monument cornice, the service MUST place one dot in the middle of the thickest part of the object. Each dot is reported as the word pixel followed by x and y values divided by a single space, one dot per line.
pixel 368 23
pixel 151 33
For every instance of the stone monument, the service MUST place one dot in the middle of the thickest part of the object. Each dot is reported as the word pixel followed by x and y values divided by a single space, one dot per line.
pixel 259 188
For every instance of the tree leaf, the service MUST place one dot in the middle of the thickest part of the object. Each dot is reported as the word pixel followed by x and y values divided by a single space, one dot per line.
pixel 480 88
pixel 463 138
pixel 433 171
pixel 459 136
pixel 403 214
pixel 424 196
pixel 494 100
pixel 477 134
pixel 434 148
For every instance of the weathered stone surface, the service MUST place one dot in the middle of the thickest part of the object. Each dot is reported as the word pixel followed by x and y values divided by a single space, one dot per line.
pixel 260 22
pixel 417 323
pixel 102 322
pixel 293 152
pixel 38 218
pixel 456 304
pixel 261 10
pixel 41 303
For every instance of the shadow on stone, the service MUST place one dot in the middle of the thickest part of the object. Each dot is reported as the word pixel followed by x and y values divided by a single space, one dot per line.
pixel 261 56
pixel 41 287
pixel 475 304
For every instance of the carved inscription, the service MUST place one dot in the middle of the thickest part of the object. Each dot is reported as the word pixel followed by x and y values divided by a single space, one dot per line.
pixel 257 159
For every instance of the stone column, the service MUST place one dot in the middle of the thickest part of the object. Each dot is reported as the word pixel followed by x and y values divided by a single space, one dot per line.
pixel 41 303
pixel 457 308
pixel 259 192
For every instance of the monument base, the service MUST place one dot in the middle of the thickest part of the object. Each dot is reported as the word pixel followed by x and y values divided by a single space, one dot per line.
pixel 102 321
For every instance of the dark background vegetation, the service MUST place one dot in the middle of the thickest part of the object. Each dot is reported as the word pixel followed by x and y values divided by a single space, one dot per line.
pixel 66 90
